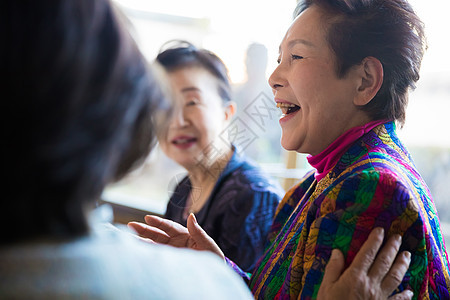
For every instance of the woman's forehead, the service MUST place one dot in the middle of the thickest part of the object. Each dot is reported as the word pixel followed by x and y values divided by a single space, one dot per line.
pixel 190 74
pixel 193 80
pixel 307 29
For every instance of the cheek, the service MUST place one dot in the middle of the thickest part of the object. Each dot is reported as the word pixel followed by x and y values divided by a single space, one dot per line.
pixel 164 144
pixel 204 124
pixel 213 129
pixel 310 79
pixel 166 149
pixel 212 119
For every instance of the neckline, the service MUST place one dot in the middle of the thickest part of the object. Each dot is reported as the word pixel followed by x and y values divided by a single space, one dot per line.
pixel 232 164
pixel 327 159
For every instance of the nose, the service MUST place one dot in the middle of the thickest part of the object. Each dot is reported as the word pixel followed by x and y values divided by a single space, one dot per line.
pixel 179 119
pixel 276 80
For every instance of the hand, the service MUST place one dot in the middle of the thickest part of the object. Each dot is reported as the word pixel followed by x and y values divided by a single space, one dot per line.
pixel 370 276
pixel 163 231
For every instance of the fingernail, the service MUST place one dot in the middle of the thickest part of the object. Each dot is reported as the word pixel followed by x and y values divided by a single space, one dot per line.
pixel 398 238
pixel 407 254
pixel 409 293
pixel 194 219
pixel 379 230
pixel 335 254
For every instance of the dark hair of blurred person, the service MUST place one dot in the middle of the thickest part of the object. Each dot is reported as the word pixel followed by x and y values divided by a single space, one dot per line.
pixel 79 105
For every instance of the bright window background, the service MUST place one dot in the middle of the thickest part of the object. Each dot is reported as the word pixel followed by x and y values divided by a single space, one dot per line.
pixel 228 27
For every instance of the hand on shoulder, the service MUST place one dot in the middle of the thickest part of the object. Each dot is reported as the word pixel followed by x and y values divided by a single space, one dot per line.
pixel 372 274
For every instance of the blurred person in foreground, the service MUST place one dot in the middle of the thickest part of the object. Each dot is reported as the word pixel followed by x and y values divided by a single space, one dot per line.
pixel 82 103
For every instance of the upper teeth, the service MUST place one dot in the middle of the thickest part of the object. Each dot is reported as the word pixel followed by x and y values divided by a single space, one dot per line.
pixel 181 141
pixel 285 105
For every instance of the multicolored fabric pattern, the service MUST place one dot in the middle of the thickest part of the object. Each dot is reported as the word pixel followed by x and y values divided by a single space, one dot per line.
pixel 375 183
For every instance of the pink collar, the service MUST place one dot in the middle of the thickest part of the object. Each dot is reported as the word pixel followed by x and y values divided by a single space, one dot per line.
pixel 327 159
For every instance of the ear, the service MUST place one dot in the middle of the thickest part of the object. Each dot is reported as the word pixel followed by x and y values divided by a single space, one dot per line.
pixel 370 73
pixel 230 110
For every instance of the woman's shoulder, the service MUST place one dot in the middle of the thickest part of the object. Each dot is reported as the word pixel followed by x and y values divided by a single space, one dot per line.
pixel 375 180
pixel 378 152
pixel 386 162
pixel 247 186
pixel 250 176
pixel 367 175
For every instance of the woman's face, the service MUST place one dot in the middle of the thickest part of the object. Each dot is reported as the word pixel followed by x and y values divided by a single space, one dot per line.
pixel 193 133
pixel 317 106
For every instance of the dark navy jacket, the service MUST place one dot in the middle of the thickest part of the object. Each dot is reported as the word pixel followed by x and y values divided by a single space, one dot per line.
pixel 239 211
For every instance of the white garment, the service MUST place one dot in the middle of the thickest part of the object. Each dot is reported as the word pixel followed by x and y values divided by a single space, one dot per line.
pixel 112 265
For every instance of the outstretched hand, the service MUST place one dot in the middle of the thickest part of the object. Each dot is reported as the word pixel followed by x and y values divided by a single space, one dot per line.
pixel 370 275
pixel 163 231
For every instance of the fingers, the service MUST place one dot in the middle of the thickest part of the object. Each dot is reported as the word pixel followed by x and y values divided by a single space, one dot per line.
pixel 405 295
pixel 145 240
pixel 366 255
pixel 334 268
pixel 149 232
pixel 380 274
pixel 169 227
pixel 395 275
pixel 384 259
pixel 138 227
pixel 195 230
pixel 201 239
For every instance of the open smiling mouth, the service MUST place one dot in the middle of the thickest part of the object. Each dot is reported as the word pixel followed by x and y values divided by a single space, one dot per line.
pixel 183 141
pixel 287 108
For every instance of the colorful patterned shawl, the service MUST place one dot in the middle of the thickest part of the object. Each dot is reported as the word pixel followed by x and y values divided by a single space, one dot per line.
pixel 375 183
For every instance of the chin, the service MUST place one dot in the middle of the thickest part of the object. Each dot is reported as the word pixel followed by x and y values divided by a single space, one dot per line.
pixel 299 148
pixel 288 146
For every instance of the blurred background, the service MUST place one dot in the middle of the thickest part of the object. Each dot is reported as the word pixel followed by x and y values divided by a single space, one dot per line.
pixel 246 35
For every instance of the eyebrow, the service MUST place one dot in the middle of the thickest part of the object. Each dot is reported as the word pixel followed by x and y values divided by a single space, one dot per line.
pixel 291 43
pixel 190 89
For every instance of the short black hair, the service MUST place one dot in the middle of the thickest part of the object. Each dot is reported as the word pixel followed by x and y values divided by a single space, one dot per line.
pixel 177 54
pixel 388 30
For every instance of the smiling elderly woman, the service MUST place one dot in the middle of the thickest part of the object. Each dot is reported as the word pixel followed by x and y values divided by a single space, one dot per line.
pixel 342 80
pixel 233 198
pixel 345 68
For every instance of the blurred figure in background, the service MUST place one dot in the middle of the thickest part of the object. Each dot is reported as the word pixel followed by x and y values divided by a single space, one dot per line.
pixel 233 199
pixel 256 109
